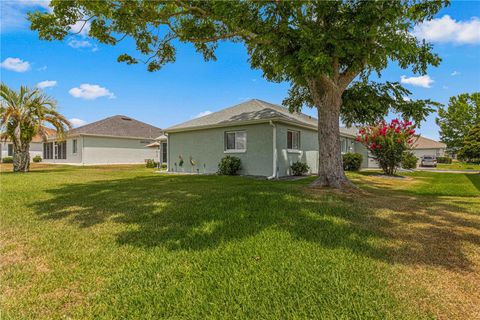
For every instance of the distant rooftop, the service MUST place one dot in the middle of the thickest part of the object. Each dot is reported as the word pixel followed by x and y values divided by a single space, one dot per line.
pixel 49 133
pixel 426 143
pixel 118 126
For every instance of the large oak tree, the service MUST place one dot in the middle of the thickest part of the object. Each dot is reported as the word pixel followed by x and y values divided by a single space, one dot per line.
pixel 320 47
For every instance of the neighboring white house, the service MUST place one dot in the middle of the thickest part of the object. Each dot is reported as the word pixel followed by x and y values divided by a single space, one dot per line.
pixel 114 140
pixel 36 146
pixel 428 147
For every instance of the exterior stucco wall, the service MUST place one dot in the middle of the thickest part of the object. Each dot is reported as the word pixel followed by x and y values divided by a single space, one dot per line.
pixel 308 152
pixel 36 148
pixel 368 161
pixel 4 149
pixel 429 152
pixel 107 150
pixel 206 147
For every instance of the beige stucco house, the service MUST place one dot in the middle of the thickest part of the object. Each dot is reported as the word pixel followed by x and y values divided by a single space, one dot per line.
pixel 428 147
pixel 114 140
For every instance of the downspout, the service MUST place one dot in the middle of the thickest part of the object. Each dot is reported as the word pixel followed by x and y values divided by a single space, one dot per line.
pixel 168 152
pixel 274 173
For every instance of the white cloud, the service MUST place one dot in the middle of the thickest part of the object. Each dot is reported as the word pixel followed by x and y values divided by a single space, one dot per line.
pixel 14 13
pixel 77 122
pixel 46 84
pixel 90 92
pixel 15 64
pixel 81 28
pixel 455 73
pixel 421 81
pixel 32 3
pixel 446 29
pixel 74 43
pixel 203 113
pixel 405 98
pixel 82 44
pixel 42 68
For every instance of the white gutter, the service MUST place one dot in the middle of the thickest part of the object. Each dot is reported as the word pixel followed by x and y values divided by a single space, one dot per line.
pixel 274 174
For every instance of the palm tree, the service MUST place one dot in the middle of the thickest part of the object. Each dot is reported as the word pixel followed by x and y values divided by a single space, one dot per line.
pixel 23 115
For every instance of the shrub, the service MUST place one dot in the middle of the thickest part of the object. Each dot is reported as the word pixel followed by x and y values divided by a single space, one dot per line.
pixel 409 161
pixel 164 166
pixel 37 158
pixel 7 160
pixel 352 161
pixel 299 168
pixel 150 163
pixel 388 142
pixel 229 166
pixel 446 160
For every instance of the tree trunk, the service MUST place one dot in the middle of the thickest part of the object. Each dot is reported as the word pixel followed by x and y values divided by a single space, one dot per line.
pixel 21 159
pixel 328 100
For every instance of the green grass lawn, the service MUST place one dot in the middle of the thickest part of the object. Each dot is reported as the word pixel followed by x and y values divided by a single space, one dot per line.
pixel 124 242
pixel 458 166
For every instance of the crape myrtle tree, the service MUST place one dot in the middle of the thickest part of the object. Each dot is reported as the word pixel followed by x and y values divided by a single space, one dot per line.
pixel 319 47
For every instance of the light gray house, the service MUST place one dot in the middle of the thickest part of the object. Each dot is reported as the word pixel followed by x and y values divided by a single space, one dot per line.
pixel 114 140
pixel 266 137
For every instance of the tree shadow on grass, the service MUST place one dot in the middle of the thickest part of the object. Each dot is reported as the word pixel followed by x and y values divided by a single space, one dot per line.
pixel 202 212
pixel 475 179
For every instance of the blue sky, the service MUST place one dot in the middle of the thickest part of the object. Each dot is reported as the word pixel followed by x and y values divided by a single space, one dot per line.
pixel 89 84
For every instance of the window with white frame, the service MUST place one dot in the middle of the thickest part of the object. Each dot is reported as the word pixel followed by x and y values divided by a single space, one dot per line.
pixel 235 141
pixel 74 146
pixel 293 140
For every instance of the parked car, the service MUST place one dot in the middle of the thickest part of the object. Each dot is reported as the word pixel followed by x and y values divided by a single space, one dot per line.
pixel 428 161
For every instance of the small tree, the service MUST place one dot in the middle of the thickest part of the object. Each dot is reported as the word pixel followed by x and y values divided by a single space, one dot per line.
pixel 23 115
pixel 456 121
pixel 471 146
pixel 388 142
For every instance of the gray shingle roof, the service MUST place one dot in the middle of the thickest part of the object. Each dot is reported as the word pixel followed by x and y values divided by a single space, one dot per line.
pixel 250 111
pixel 118 126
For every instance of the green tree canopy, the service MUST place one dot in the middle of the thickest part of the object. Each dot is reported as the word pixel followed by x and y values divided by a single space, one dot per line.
pixel 455 121
pixel 471 145
pixel 320 47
